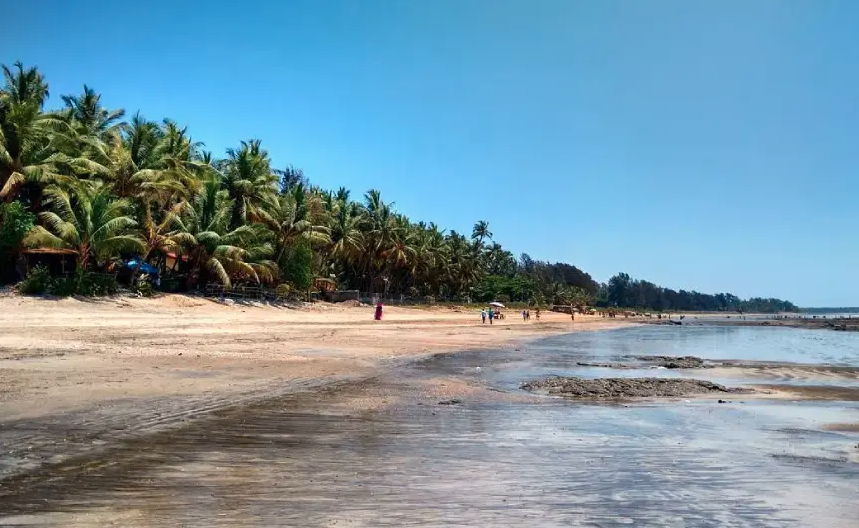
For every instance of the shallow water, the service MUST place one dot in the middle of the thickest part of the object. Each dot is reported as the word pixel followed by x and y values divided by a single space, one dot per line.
pixel 711 342
pixel 292 461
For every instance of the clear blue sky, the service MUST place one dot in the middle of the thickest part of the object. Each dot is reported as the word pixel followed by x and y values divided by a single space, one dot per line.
pixel 709 145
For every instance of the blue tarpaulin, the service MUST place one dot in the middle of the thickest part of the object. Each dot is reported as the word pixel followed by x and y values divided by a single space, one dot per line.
pixel 144 268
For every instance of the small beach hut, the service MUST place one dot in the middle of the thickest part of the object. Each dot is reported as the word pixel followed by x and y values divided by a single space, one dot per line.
pixel 58 261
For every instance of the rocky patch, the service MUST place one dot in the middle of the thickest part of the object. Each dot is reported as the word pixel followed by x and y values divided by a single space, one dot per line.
pixel 674 362
pixel 621 388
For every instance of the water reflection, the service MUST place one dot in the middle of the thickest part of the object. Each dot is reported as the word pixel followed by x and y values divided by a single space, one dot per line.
pixel 714 342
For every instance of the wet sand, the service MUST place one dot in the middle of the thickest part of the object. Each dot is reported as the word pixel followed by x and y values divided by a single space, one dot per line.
pixel 78 376
pixel 383 451
pixel 67 355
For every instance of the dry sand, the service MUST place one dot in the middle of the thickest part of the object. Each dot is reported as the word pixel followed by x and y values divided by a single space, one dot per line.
pixel 58 356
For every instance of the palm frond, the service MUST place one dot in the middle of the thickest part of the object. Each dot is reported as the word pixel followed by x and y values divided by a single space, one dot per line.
pixel 111 228
pixel 39 237
pixel 217 269
pixel 63 229
pixel 121 243
pixel 14 179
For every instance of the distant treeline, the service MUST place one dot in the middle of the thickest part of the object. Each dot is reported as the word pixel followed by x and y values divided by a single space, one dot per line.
pixel 622 290
pixel 562 283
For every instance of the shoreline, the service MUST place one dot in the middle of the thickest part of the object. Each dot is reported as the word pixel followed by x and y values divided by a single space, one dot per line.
pixel 76 355
pixel 848 324
pixel 138 385
pixel 80 378
pixel 69 355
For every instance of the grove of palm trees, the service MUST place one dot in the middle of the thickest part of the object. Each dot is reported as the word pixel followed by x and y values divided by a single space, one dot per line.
pixel 106 187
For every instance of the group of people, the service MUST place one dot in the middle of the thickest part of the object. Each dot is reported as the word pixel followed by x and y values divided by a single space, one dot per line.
pixel 491 314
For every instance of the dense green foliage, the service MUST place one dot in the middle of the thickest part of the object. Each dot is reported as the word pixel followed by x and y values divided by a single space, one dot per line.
pixel 104 189
pixel 15 222
pixel 622 290
pixel 296 267
pixel 39 280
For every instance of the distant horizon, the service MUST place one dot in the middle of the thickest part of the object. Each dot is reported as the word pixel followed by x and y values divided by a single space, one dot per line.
pixel 687 144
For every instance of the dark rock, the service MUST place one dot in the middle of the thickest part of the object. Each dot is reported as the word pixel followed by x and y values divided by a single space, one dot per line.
pixel 617 388
pixel 674 362
pixel 603 365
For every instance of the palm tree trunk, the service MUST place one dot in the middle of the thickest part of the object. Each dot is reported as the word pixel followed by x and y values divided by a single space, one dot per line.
pixel 281 252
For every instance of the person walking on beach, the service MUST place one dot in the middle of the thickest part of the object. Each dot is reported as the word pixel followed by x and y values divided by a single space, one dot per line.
pixel 491 315
pixel 483 316
pixel 378 315
pixel 537 313
pixel 524 315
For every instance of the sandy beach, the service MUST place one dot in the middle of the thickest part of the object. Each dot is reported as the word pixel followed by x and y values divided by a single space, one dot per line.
pixel 70 355
pixel 146 412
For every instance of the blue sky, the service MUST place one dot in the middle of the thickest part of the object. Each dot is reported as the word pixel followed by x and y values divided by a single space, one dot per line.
pixel 709 145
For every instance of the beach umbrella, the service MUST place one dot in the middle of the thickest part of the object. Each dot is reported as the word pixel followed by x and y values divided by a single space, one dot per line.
pixel 497 304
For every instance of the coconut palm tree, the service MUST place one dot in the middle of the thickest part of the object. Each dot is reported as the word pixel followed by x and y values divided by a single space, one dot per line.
pixel 462 268
pixel 481 231
pixel 259 258
pixel 347 238
pixel 142 138
pixel 177 144
pixel 210 245
pixel 290 177
pixel 429 260
pixel 381 232
pixel 248 179
pixel 342 195
pixel 400 252
pixel 36 149
pixel 176 164
pixel 149 163
pixel 128 180
pixel 160 236
pixel 87 220
pixel 499 261
pixel 90 118
pixel 287 222
pixel 24 87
